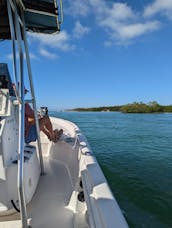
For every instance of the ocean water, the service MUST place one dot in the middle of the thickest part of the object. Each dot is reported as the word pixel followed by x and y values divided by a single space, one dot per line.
pixel 135 153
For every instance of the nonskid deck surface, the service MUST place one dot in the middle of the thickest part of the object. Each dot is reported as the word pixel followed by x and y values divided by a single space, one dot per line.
pixel 48 207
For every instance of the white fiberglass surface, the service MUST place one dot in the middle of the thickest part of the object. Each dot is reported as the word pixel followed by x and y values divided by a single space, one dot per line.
pixel 48 206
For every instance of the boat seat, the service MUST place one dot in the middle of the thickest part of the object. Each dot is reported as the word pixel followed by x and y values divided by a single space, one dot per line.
pixel 8 180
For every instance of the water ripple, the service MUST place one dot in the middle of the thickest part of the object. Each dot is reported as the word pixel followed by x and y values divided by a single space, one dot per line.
pixel 135 153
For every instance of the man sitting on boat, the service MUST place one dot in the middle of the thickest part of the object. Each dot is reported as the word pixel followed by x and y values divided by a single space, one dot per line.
pixel 44 125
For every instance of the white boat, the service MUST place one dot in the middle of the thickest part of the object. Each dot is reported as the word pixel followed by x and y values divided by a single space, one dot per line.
pixel 45 184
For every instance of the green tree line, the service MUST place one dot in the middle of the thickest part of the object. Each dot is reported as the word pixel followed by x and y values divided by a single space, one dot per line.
pixel 136 107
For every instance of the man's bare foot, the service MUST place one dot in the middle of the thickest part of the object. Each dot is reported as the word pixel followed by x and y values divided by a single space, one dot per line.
pixel 57 135
pixel 60 133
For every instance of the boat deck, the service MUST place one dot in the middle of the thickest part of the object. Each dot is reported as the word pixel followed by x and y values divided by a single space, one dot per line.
pixel 51 197
pixel 48 207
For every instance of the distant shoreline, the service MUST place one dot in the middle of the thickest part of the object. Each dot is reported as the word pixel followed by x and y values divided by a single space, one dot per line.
pixel 136 107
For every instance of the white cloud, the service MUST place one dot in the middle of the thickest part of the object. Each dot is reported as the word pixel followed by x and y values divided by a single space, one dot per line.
pixel 79 30
pixel 10 56
pixel 120 12
pixel 59 41
pixel 117 11
pixel 47 54
pixel 121 22
pixel 127 32
pixel 108 43
pixel 77 7
pixel 159 6
pixel 99 8
pixel 32 56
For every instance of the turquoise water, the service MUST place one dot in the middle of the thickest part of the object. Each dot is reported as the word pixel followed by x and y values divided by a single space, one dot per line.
pixel 135 153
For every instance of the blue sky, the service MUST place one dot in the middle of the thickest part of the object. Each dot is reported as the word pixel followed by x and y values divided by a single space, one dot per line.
pixel 108 53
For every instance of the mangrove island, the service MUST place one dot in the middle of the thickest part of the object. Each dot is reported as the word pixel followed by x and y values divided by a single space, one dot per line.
pixel 136 107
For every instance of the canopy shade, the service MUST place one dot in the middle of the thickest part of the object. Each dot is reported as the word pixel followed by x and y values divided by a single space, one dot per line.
pixel 40 16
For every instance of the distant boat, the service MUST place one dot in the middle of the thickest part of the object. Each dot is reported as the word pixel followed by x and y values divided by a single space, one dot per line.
pixel 105 110
pixel 45 184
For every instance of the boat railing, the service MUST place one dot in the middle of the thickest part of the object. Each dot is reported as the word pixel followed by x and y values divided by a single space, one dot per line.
pixel 16 10
pixel 15 27
pixel 61 12
pixel 77 139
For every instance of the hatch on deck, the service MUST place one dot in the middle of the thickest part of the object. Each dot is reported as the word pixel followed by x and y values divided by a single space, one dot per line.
pixel 40 16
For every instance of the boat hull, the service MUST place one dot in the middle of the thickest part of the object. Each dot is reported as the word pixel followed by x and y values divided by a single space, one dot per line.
pixel 73 192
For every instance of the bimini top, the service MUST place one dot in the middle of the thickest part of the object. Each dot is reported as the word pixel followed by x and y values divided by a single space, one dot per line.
pixel 40 16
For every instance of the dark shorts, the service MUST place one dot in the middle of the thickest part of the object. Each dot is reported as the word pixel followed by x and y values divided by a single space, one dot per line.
pixel 32 135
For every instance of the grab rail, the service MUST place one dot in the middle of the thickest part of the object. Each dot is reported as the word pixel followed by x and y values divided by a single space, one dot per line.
pixel 15 26
pixel 18 33
pixel 61 12
pixel 33 95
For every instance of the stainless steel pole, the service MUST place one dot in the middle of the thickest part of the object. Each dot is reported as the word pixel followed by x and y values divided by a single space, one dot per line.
pixel 11 22
pixel 22 202
pixel 33 94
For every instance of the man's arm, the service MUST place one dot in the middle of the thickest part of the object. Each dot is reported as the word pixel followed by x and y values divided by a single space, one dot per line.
pixel 29 111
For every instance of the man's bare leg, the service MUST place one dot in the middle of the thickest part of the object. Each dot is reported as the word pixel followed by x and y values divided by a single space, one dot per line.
pixel 46 126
